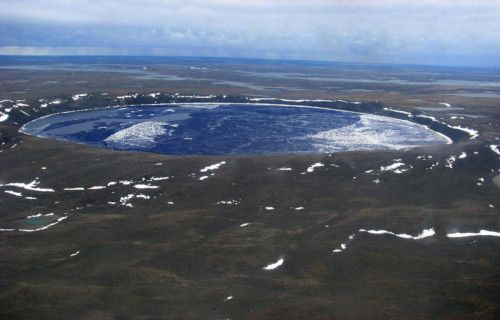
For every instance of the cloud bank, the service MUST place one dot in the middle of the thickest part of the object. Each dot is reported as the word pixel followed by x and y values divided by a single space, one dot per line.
pixel 422 32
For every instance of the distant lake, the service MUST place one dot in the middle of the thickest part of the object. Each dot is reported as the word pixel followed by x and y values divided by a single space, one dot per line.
pixel 490 95
pixel 231 129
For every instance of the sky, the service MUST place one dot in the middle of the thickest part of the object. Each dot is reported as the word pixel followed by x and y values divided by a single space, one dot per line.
pixel 432 32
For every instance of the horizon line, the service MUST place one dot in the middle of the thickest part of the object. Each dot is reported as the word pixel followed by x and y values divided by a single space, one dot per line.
pixel 245 58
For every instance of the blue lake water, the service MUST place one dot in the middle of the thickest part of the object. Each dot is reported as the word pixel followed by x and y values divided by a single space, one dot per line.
pixel 231 129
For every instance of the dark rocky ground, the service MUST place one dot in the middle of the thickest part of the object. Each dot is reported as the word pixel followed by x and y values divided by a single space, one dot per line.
pixel 182 254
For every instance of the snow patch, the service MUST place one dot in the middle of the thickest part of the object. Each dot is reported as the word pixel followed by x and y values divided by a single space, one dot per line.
pixel 275 265
pixel 17 194
pixel 125 200
pixel 213 167
pixel 399 111
pixel 495 149
pixel 97 188
pixel 472 133
pixel 316 165
pixel 450 161
pixel 158 178
pixel 3 116
pixel 424 234
pixel 30 186
pixel 127 96
pixel 482 233
pixel 231 202
pixel 145 186
pixel 392 167
pixel 343 246
pixel 395 167
pixel 78 96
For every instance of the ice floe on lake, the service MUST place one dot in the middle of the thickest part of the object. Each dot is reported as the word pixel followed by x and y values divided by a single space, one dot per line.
pixel 141 135
pixel 375 132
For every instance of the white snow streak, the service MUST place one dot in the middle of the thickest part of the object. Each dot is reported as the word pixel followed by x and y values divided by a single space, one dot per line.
pixel 213 167
pixel 275 265
pixel 17 194
pixel 424 234
pixel 495 149
pixel 316 165
pixel 483 233
pixel 30 186
pixel 145 186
